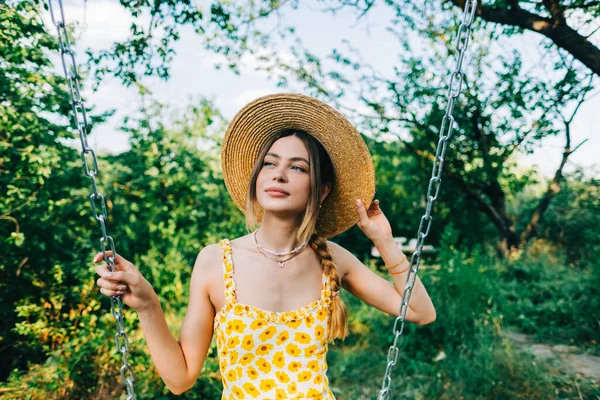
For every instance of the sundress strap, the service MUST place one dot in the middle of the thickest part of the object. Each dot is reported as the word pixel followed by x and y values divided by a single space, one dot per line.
pixel 228 271
pixel 230 285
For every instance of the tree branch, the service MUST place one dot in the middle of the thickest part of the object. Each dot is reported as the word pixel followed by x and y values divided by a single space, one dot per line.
pixel 488 209
pixel 553 189
pixel 561 34
pixel 557 12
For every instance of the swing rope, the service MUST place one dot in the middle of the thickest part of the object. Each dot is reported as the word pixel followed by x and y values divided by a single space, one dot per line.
pixel 91 169
pixel 445 133
pixel 433 189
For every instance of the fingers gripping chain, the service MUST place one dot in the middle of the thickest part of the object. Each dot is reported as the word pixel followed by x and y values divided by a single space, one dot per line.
pixel 90 168
pixel 445 133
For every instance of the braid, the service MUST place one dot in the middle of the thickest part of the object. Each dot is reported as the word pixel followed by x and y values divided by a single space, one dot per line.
pixel 338 323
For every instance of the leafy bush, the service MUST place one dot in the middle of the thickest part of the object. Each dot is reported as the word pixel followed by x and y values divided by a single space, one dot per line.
pixel 465 354
pixel 546 295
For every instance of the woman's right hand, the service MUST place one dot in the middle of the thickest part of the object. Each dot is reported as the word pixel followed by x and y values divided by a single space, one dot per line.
pixel 126 281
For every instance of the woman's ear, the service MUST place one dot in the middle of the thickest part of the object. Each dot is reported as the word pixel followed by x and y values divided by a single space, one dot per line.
pixel 326 190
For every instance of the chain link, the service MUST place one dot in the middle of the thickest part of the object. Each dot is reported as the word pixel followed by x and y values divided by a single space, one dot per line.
pixel 445 133
pixel 88 158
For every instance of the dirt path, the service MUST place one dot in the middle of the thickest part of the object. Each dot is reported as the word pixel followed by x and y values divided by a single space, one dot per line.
pixel 566 356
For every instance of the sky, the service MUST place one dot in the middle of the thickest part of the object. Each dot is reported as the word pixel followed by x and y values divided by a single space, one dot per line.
pixel 193 75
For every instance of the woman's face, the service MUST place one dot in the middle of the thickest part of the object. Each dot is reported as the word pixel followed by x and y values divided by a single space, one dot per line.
pixel 285 167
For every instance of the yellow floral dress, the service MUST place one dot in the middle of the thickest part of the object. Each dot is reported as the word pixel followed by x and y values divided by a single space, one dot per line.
pixel 272 355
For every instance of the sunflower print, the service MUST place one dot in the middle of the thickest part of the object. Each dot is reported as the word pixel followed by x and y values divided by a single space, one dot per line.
pixel 272 355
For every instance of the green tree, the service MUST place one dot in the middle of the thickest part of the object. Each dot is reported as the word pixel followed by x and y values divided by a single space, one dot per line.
pixel 573 218
pixel 169 193
pixel 167 200
pixel 504 111
pixel 568 24
pixel 508 109
pixel 234 29
pixel 40 183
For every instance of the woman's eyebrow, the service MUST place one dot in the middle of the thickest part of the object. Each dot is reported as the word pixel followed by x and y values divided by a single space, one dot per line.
pixel 291 159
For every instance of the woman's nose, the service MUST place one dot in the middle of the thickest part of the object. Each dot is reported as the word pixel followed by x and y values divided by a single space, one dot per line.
pixel 278 175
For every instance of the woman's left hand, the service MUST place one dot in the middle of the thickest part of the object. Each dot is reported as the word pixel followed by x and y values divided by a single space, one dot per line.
pixel 372 221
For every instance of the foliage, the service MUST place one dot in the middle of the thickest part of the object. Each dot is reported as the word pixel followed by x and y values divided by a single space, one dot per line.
pixel 237 29
pixel 167 200
pixel 223 27
pixel 573 218
pixel 41 208
pixel 462 349
pixel 504 112
pixel 465 353
pixel 552 297
pixel 169 189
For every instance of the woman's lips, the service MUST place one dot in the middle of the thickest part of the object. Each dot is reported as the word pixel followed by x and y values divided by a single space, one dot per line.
pixel 276 193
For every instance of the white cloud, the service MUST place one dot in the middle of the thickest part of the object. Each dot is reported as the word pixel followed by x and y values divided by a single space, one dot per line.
pixel 246 97
pixel 250 64
pixel 98 24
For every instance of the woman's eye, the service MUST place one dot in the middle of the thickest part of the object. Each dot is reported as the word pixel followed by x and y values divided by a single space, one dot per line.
pixel 299 168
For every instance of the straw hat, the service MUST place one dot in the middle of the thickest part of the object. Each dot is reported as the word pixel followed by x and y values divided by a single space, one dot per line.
pixel 254 124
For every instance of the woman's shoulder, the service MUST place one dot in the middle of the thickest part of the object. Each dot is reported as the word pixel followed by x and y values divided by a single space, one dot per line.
pixel 341 256
pixel 209 261
pixel 335 248
pixel 208 257
pixel 214 251
pixel 242 242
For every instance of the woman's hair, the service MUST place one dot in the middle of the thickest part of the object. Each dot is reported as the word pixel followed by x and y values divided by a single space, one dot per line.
pixel 321 173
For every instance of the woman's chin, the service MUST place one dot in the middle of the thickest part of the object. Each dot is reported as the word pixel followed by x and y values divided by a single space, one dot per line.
pixel 280 210
pixel 275 203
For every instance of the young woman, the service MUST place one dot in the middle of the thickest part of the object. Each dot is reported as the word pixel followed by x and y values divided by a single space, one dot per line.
pixel 298 170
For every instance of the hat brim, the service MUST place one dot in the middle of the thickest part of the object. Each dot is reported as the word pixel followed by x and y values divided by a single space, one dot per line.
pixel 253 125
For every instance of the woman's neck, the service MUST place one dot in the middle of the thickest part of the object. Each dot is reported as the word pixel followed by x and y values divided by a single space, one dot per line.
pixel 277 235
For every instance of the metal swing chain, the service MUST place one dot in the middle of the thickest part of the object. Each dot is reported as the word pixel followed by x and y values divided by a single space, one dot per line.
pixel 455 84
pixel 116 305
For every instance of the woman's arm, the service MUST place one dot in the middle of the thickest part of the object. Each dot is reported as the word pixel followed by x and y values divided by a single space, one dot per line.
pixel 370 287
pixel 420 302
pixel 178 362
pixel 378 292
